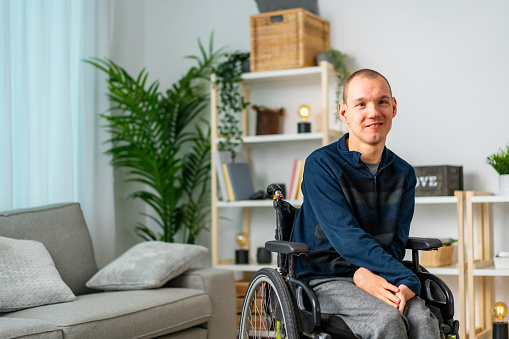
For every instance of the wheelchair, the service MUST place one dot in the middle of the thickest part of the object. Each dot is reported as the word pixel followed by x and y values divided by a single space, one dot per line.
pixel 277 305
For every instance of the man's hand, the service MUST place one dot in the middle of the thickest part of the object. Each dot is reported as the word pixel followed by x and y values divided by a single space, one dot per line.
pixel 379 287
pixel 404 295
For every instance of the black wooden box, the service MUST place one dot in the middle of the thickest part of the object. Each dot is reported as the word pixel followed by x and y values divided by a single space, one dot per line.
pixel 438 180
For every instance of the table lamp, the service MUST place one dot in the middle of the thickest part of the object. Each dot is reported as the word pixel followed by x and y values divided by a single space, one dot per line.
pixel 304 126
pixel 500 326
pixel 241 255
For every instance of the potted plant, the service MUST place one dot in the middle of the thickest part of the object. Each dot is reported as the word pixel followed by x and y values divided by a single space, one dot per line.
pixel 231 100
pixel 500 162
pixel 337 59
pixel 164 143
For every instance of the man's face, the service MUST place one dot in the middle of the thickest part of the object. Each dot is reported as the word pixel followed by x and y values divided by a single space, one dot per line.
pixel 369 111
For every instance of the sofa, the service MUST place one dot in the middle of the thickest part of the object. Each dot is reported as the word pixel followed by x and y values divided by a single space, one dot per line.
pixel 198 303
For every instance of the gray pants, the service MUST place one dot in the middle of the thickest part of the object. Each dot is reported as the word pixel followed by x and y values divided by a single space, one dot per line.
pixel 369 317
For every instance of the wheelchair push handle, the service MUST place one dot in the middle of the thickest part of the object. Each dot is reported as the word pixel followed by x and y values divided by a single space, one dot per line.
pixel 275 191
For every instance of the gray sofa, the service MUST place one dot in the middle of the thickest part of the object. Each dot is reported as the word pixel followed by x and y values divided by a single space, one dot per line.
pixel 200 303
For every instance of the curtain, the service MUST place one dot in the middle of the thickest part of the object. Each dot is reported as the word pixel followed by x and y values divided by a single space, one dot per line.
pixel 51 143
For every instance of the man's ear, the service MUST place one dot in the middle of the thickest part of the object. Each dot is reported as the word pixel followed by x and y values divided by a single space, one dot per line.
pixel 342 112
pixel 394 107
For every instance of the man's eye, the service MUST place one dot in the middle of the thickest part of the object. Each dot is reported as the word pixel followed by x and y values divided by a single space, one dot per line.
pixel 360 104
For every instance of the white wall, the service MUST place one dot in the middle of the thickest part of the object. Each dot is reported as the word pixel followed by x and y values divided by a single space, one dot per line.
pixel 446 61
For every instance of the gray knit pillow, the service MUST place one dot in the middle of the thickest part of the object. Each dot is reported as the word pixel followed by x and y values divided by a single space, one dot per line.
pixel 146 265
pixel 28 276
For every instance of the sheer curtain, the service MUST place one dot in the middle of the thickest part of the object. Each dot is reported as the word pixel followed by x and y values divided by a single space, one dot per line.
pixel 51 143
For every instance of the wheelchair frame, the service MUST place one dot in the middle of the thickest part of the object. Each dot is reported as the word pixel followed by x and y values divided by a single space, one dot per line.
pixel 289 308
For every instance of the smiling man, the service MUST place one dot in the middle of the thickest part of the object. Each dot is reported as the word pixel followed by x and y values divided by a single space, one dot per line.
pixel 358 204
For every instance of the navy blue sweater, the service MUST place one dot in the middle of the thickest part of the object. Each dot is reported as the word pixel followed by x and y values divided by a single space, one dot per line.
pixel 350 218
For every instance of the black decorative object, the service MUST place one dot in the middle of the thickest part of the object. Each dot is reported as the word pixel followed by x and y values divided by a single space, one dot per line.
pixel 304 127
pixel 241 256
pixel 500 330
pixel 438 180
pixel 263 256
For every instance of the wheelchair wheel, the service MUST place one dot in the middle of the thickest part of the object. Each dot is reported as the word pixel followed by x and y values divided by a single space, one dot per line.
pixel 268 310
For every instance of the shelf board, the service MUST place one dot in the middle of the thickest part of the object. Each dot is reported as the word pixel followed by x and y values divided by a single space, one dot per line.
pixel 254 203
pixel 297 203
pixel 491 271
pixel 446 270
pixel 245 267
pixel 490 198
pixel 257 139
pixel 282 74
pixel 435 200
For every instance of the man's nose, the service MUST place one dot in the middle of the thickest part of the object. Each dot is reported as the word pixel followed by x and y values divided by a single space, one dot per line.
pixel 373 111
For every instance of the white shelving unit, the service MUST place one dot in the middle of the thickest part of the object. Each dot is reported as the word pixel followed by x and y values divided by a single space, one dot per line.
pixel 448 200
pixel 317 77
pixel 479 261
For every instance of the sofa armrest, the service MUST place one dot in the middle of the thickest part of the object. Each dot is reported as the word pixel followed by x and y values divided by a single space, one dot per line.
pixel 220 285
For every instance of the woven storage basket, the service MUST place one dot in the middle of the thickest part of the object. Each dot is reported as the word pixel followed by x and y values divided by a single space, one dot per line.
pixel 442 257
pixel 287 39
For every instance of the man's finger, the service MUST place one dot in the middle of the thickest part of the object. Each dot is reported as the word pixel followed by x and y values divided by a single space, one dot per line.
pixel 390 287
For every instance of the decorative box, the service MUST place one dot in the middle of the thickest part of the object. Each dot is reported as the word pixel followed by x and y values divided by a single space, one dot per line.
pixel 437 258
pixel 438 180
pixel 501 260
pixel 268 120
pixel 287 39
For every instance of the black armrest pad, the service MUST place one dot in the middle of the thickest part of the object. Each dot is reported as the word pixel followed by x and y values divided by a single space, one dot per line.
pixel 423 243
pixel 286 247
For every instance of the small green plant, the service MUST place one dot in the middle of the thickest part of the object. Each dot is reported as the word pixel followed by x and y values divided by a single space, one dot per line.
pixel 337 59
pixel 231 101
pixel 500 161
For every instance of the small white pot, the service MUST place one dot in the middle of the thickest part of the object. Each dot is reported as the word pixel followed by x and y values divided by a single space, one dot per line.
pixel 503 184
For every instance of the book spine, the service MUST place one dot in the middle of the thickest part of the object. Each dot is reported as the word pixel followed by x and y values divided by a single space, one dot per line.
pixel 229 189
pixel 220 177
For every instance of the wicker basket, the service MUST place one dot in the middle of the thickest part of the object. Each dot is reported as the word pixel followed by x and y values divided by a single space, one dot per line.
pixel 442 257
pixel 287 39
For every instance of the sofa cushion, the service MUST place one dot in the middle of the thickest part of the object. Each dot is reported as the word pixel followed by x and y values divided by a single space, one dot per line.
pixel 146 265
pixel 28 276
pixel 28 329
pixel 63 231
pixel 126 314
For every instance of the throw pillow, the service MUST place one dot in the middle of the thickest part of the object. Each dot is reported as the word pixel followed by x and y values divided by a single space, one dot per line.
pixel 28 276
pixel 146 265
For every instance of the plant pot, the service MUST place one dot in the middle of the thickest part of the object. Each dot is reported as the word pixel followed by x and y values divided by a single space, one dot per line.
pixel 503 184
pixel 322 57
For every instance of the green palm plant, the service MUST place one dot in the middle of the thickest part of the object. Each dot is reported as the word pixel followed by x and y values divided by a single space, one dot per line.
pixel 165 145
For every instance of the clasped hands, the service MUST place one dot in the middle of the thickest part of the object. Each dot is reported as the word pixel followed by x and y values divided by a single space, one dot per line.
pixel 382 289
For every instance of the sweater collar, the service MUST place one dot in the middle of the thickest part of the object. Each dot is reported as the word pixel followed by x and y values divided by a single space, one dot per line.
pixel 354 157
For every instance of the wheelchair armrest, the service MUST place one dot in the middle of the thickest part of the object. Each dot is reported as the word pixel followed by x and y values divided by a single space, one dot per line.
pixel 286 247
pixel 428 244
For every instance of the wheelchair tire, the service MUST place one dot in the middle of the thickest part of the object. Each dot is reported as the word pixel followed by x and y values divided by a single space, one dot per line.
pixel 268 310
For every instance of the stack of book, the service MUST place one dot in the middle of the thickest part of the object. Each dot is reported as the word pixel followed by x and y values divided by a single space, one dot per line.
pixel 234 177
pixel 295 191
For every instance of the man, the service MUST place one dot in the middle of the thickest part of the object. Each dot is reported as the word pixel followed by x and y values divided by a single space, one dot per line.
pixel 358 204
